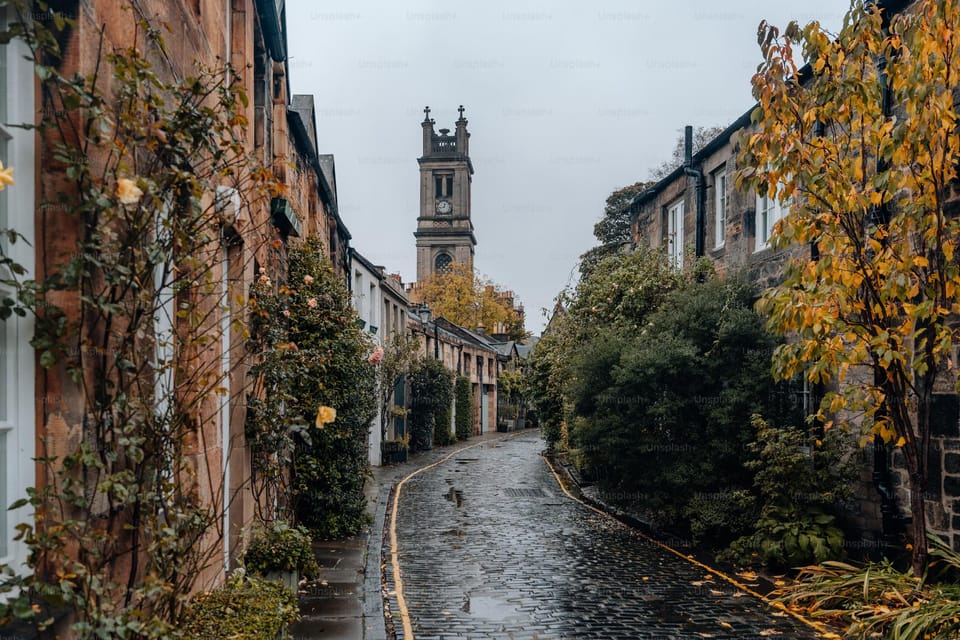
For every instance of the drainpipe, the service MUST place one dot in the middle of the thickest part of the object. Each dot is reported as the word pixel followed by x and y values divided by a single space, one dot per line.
pixel 697 175
pixel 225 357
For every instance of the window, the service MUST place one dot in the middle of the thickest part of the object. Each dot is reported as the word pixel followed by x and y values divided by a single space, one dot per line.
pixel 358 293
pixel 769 210
pixel 720 207
pixel 442 263
pixel 5 428
pixel 372 306
pixel 443 185
pixel 675 234
pixel 17 395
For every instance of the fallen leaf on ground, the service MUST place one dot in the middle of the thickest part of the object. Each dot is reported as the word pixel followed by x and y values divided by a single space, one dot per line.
pixel 738 594
pixel 748 575
pixel 714 592
pixel 726 625
pixel 769 632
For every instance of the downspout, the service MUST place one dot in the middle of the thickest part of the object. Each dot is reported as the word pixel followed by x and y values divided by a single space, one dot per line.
pixel 225 357
pixel 697 175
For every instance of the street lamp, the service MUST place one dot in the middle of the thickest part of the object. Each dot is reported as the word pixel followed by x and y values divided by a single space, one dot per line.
pixel 424 313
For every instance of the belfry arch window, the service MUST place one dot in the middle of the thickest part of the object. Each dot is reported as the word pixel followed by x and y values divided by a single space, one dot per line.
pixel 442 263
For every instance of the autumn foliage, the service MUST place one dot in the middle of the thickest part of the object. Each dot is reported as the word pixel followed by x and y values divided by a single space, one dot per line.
pixel 463 297
pixel 865 142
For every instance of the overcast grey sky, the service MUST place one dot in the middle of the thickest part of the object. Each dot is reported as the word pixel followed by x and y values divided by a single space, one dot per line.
pixel 567 102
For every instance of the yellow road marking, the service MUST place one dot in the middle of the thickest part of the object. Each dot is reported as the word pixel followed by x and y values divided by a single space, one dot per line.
pixel 394 556
pixel 739 585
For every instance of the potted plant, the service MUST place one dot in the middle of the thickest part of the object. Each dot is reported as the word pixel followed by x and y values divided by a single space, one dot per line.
pixel 280 551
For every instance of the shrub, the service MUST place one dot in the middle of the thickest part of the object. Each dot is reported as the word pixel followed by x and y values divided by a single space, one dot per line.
pixel 431 393
pixel 663 412
pixel 244 608
pixel 281 547
pixel 799 479
pixel 329 367
pixel 463 397
pixel 718 517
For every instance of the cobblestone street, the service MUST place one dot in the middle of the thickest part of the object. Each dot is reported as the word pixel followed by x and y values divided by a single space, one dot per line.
pixel 490 547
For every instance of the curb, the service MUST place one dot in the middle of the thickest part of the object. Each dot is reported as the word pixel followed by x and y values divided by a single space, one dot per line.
pixel 602 509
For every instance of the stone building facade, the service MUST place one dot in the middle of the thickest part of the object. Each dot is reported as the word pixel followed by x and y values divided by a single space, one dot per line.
pixel 45 405
pixel 381 303
pixel 733 225
pixel 696 212
pixel 465 353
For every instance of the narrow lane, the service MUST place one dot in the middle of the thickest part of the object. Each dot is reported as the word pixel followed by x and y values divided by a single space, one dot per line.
pixel 489 547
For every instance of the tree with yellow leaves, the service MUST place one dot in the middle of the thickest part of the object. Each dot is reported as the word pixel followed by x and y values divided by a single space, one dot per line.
pixel 461 296
pixel 863 144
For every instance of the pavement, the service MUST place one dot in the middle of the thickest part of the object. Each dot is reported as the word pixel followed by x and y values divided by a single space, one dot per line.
pixel 346 601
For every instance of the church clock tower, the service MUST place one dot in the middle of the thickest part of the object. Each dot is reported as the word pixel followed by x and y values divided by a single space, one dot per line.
pixel 444 229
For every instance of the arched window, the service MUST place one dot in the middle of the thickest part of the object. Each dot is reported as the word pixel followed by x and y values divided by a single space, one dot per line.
pixel 442 263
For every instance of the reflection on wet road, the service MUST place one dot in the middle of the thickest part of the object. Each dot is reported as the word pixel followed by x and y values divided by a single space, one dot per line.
pixel 489 547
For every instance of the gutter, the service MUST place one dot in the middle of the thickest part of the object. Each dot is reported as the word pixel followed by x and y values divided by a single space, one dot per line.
pixel 272 32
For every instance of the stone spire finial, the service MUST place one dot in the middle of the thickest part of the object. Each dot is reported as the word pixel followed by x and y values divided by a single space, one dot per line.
pixel 461 110
pixel 426 111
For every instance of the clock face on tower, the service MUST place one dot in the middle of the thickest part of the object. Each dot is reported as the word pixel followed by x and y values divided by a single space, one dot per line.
pixel 444 206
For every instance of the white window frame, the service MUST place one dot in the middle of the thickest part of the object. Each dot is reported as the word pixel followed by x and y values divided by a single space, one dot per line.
pixel 18 376
pixel 720 207
pixel 675 213
pixel 769 211
pixel 228 209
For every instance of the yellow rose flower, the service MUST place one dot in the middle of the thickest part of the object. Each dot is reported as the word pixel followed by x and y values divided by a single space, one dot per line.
pixel 128 192
pixel 325 415
pixel 6 176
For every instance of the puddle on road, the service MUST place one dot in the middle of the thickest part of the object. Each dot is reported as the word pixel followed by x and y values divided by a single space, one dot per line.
pixel 488 608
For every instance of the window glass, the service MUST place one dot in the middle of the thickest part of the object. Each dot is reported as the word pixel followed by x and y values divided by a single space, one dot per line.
pixel 443 262
pixel 675 234
pixel 5 380
pixel 720 219
pixel 4 545
pixel 4 134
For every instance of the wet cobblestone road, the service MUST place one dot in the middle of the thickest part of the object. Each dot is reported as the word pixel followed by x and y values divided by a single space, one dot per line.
pixel 489 547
